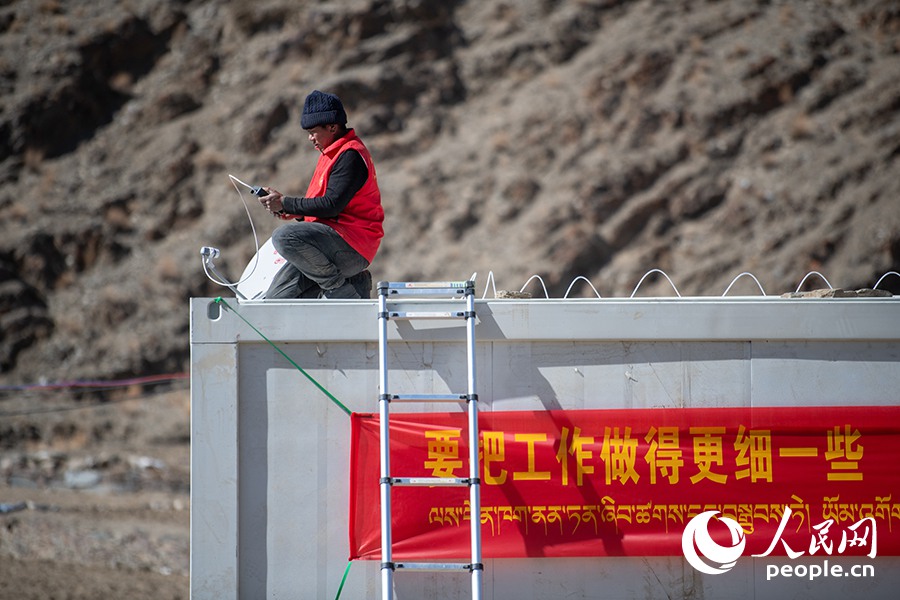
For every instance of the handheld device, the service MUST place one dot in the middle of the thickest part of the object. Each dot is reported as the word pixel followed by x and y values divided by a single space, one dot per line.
pixel 254 189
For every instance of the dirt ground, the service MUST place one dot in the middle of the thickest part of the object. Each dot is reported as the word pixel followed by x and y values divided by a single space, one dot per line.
pixel 94 497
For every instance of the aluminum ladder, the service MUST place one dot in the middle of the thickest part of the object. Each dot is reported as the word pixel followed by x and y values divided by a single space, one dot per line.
pixel 455 291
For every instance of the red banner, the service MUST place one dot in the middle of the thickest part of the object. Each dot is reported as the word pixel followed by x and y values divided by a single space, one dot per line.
pixel 626 482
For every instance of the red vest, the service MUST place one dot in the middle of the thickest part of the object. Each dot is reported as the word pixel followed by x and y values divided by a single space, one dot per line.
pixel 360 221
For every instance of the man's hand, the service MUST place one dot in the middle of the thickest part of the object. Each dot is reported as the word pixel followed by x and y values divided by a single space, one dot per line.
pixel 272 201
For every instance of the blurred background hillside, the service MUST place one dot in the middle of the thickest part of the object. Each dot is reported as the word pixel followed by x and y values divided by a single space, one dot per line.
pixel 563 138
pixel 601 138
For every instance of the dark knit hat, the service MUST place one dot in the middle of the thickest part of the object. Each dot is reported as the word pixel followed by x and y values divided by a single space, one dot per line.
pixel 321 108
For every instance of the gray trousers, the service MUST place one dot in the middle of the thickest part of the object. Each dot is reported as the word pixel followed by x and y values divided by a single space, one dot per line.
pixel 319 261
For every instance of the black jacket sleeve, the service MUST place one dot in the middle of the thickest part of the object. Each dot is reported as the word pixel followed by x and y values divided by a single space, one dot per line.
pixel 348 175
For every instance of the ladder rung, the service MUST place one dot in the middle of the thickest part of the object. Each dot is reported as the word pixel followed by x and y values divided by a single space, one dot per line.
pixel 424 285
pixel 452 314
pixel 428 398
pixel 454 292
pixel 436 566
pixel 456 289
pixel 429 481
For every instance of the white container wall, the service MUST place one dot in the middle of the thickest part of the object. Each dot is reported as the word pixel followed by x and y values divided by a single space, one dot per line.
pixel 270 452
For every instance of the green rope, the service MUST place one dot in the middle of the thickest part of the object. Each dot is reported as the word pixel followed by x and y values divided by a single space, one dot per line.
pixel 343 581
pixel 331 397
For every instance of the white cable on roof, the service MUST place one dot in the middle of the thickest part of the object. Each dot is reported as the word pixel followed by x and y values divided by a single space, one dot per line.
pixel 883 276
pixel 752 276
pixel 491 282
pixel 655 271
pixel 538 277
pixel 588 282
pixel 802 281
pixel 488 282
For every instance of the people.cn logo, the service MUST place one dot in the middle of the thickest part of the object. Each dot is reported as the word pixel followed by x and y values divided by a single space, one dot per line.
pixel 697 544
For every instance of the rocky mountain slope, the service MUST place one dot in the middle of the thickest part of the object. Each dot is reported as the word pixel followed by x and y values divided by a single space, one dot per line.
pixel 600 138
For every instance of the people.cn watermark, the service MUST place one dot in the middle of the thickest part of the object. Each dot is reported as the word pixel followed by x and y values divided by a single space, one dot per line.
pixel 708 556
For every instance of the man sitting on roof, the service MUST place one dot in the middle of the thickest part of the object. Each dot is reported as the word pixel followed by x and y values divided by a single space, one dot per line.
pixel 336 227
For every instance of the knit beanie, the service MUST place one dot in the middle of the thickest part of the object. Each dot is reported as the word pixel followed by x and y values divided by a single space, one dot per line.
pixel 321 108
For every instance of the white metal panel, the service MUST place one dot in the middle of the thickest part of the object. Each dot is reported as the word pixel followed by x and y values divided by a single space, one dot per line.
pixel 826 373
pixel 654 319
pixel 307 496
pixel 214 471
pixel 594 375
pixel 294 467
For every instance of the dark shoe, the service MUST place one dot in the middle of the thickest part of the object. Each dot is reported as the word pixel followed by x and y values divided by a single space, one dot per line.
pixel 362 281
pixel 344 292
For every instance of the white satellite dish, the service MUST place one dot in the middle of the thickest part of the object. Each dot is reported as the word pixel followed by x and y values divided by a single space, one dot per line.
pixel 260 271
